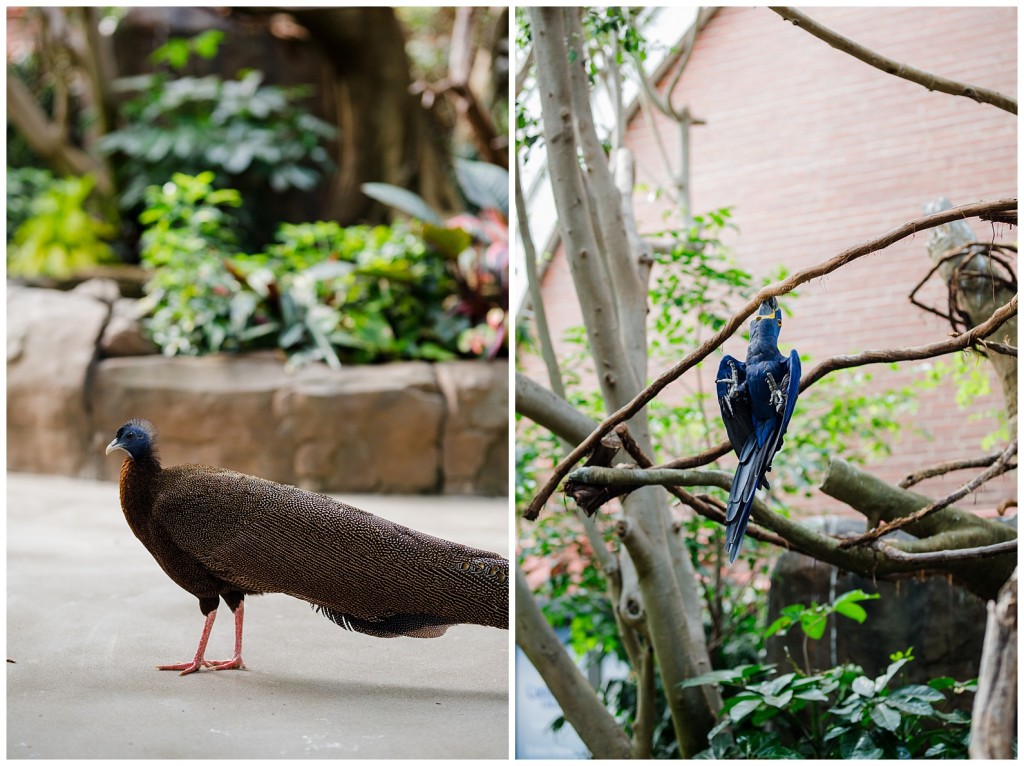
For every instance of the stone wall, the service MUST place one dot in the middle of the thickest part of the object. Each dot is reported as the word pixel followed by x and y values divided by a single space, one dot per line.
pixel 408 427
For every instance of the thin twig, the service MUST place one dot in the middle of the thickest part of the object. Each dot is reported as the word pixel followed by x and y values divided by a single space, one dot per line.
pixel 1001 465
pixel 715 341
pixel 946 557
pixel 893 67
pixel 948 467
pixel 956 343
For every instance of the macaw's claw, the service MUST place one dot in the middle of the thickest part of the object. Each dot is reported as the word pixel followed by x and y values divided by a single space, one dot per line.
pixel 734 387
pixel 777 397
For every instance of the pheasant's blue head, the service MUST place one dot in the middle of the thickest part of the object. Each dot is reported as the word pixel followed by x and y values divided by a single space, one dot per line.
pixel 137 437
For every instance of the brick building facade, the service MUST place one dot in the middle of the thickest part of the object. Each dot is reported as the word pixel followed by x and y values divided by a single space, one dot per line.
pixel 816 151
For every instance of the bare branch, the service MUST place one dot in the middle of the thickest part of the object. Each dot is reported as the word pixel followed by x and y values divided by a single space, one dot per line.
pixel 956 343
pixel 999 467
pixel 533 285
pixel 931 558
pixel 524 71
pixel 46 138
pixel 890 66
pixel 730 327
pixel 953 465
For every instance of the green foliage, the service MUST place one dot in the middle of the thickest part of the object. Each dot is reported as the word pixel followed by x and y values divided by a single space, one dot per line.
pixel 189 234
pixel 256 138
pixel 476 247
pixel 59 235
pixel 320 292
pixel 813 619
pixel 969 374
pixel 239 128
pixel 838 713
pixel 177 51
pixel 602 23
pixel 24 184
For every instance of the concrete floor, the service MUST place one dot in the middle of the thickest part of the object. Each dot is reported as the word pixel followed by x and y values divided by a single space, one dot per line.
pixel 89 614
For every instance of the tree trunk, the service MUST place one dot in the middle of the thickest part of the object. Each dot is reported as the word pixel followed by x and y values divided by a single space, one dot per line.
pixel 384 133
pixel 994 716
pixel 664 594
pixel 597 728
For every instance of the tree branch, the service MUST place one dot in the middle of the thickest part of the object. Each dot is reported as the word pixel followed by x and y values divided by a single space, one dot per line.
pixel 890 66
pixel 956 343
pixel 1001 465
pixel 953 465
pixel 533 286
pixel 931 558
pixel 730 327
pixel 47 140
pixel 955 527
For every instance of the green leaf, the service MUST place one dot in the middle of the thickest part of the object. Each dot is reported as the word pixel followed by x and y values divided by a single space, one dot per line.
pixel 206 43
pixel 863 686
pixel 743 708
pixel 485 185
pixel 782 623
pixel 885 717
pixel 813 624
pixel 918 692
pixel 812 695
pixel 404 200
pixel 451 242
pixel 734 675
pixel 862 748
pixel 851 610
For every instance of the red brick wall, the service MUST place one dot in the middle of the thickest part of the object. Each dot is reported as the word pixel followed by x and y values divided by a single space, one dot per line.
pixel 817 151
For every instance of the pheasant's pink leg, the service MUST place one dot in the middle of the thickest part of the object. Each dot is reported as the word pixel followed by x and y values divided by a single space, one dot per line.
pixel 236 661
pixel 197 661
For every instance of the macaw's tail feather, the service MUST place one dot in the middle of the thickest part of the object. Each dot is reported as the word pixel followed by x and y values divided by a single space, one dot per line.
pixel 754 462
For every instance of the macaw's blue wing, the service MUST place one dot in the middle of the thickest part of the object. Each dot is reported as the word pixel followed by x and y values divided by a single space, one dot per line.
pixel 791 387
pixel 734 401
pixel 756 458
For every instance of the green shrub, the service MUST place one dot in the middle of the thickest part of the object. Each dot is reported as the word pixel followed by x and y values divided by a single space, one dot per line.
pixel 58 235
pixel 321 292
pixel 257 138
pixel 836 713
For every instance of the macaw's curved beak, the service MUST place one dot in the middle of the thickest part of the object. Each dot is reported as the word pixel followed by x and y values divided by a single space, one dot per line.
pixel 769 309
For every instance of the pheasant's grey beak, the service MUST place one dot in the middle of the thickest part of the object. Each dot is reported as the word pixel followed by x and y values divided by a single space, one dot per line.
pixel 113 447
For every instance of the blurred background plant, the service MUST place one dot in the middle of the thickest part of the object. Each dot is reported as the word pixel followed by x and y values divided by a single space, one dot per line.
pixel 227 150
pixel 57 233
pixel 321 292
pixel 256 138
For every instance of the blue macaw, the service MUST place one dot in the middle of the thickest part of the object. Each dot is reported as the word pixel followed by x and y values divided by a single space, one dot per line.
pixel 757 400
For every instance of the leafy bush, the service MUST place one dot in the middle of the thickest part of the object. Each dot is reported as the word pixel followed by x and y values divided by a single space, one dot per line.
pixel 254 137
pixel 320 292
pixel 476 247
pixel 24 184
pixel 835 713
pixel 59 235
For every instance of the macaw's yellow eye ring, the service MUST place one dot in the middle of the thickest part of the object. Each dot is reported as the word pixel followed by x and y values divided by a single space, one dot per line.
pixel 779 322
